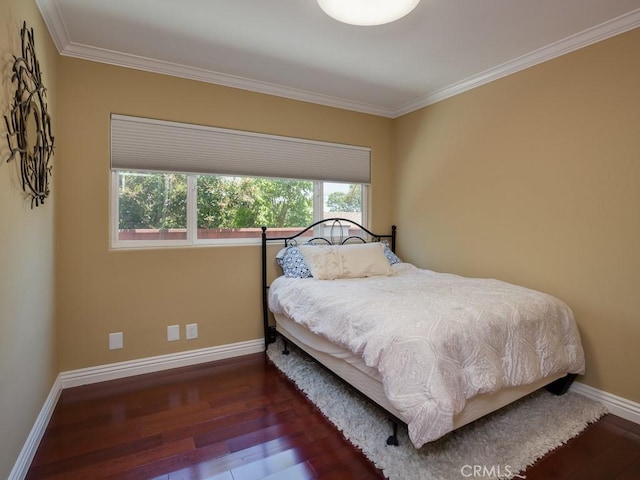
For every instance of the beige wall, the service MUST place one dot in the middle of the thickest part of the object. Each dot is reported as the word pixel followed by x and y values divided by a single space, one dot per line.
pixel 141 292
pixel 27 331
pixel 535 179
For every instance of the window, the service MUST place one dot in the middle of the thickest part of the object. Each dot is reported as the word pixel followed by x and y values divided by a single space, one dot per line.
pixel 158 208
pixel 151 206
pixel 236 207
pixel 183 184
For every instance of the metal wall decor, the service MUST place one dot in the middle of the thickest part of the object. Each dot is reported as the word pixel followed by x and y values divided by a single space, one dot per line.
pixel 29 124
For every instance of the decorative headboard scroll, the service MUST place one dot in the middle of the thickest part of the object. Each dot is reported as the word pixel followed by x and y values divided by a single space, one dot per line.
pixel 337 231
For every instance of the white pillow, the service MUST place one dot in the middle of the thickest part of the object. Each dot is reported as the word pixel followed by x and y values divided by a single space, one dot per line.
pixel 329 262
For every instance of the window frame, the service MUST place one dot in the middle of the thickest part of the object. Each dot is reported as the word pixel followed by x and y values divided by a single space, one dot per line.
pixel 192 239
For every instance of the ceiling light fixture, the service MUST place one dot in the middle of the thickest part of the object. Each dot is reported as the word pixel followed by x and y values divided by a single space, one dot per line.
pixel 367 12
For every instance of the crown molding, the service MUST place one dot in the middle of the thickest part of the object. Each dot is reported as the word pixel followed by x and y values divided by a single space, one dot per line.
pixel 202 75
pixel 59 33
pixel 55 24
pixel 605 30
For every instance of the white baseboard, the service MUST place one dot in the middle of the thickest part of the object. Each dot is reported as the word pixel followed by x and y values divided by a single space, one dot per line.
pixel 616 405
pixel 21 467
pixel 113 371
pixel 86 376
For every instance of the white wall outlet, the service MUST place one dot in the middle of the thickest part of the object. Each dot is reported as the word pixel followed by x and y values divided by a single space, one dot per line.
pixel 116 341
pixel 173 333
pixel 192 331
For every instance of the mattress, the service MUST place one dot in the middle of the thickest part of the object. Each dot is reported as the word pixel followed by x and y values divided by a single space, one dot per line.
pixel 367 380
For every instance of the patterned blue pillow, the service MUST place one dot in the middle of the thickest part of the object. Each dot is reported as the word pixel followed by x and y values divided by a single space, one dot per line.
pixel 392 257
pixel 293 264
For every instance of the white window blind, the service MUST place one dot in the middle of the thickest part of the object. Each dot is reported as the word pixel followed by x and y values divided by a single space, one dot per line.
pixel 147 144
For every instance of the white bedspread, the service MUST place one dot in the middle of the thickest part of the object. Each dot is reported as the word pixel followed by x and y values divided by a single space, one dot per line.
pixel 437 339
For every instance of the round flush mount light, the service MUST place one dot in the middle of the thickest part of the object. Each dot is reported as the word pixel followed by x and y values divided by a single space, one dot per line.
pixel 367 12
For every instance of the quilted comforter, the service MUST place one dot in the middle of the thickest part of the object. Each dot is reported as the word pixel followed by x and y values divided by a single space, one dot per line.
pixel 437 339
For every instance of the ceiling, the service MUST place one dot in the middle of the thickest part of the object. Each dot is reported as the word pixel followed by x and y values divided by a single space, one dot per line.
pixel 290 48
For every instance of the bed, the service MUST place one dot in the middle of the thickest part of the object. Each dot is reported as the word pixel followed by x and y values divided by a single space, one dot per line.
pixel 435 351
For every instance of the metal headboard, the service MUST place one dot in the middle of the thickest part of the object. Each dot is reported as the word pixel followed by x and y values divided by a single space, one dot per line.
pixel 333 234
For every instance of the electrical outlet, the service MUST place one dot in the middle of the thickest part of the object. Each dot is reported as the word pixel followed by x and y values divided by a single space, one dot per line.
pixel 192 331
pixel 116 341
pixel 173 333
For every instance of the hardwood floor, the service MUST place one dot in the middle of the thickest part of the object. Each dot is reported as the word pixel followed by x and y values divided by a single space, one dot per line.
pixel 240 419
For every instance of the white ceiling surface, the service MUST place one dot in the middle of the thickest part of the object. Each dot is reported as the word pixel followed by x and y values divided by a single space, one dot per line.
pixel 292 49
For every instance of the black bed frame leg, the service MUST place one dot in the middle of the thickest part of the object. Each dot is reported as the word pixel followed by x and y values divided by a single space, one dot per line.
pixel 393 439
pixel 286 350
pixel 561 385
pixel 270 335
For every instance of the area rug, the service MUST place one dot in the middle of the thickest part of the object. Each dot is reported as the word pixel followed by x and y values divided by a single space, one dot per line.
pixel 498 446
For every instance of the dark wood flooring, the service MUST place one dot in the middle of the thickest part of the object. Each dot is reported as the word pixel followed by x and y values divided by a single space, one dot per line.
pixel 240 419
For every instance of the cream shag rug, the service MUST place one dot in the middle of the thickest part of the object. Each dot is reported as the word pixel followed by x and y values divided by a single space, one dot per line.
pixel 498 446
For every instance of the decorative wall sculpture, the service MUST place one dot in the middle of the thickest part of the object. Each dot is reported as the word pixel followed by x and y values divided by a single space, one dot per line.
pixel 29 124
